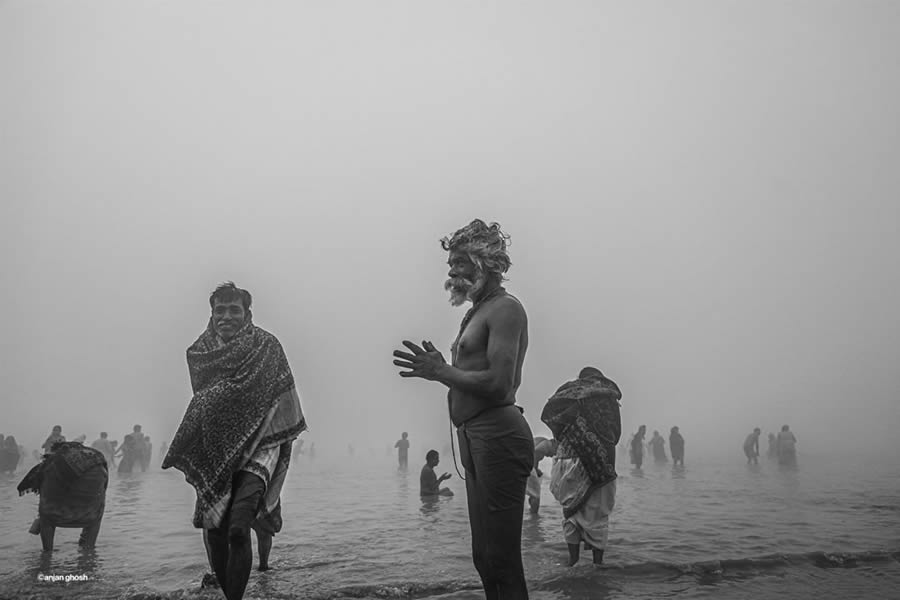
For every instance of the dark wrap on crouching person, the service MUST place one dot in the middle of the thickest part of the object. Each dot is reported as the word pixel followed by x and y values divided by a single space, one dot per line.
pixel 585 419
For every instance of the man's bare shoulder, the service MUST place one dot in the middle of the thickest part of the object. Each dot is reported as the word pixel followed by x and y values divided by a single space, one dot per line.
pixel 508 307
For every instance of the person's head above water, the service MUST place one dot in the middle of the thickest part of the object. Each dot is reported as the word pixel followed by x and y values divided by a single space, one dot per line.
pixel 674 429
pixel 642 429
pixel 784 428
pixel 757 430
pixel 404 435
pixel 103 435
pixel 57 429
pixel 478 257
pixel 432 458
pixel 137 428
pixel 230 306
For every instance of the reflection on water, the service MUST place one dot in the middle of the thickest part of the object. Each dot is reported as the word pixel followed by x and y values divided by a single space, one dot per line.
pixel 430 505
pixel 128 487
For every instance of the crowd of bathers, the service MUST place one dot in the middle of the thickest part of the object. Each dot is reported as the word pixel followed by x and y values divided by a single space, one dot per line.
pixel 135 452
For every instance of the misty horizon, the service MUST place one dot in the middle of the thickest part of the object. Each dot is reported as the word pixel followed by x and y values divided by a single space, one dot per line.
pixel 702 205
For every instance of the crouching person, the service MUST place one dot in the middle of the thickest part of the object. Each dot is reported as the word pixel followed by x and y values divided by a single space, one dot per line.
pixel 584 417
pixel 71 481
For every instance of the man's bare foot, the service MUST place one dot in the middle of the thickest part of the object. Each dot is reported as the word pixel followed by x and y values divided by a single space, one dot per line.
pixel 598 556
pixel 263 568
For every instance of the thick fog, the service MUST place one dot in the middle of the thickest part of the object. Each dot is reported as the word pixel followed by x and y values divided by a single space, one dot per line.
pixel 702 200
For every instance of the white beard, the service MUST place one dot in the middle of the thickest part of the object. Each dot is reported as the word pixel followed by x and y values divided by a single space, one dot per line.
pixel 462 289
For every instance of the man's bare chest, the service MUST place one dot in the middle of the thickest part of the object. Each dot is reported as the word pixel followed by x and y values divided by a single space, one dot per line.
pixel 472 342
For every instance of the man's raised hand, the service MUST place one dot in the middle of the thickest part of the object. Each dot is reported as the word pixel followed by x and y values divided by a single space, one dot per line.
pixel 422 361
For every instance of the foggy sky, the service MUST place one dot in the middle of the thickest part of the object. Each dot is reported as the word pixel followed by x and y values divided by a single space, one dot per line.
pixel 702 199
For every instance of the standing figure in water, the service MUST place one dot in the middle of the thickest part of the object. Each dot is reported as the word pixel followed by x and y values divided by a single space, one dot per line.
pixel 584 416
pixel 9 455
pixel 147 454
pixel 543 448
pixel 55 436
pixel 234 442
pixel 102 444
pixel 676 446
pixel 637 447
pixel 130 450
pixel 786 444
pixel 751 447
pixel 495 442
pixel 658 446
pixel 402 447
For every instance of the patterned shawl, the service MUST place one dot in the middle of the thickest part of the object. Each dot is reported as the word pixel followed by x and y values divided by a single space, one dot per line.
pixel 584 417
pixel 244 401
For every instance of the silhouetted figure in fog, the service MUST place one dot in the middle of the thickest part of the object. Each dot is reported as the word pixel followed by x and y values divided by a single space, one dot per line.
pixel 772 452
pixel 751 447
pixel 55 437
pixel 786 443
pixel 658 447
pixel 637 447
pixel 147 454
pixel 234 442
pixel 104 446
pixel 429 483
pixel 676 446
pixel 402 447
pixel 9 455
pixel 298 448
pixel 131 450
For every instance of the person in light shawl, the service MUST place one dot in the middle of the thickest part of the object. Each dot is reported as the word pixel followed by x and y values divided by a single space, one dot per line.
pixel 584 417
pixel 234 442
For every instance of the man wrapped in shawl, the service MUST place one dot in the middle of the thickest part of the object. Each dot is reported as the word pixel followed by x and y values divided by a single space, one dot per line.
pixel 584 417
pixel 234 442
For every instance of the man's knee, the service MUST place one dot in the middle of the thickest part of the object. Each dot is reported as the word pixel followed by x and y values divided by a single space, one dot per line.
pixel 238 535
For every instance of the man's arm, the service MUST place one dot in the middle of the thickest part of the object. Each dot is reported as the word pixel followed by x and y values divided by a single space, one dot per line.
pixel 505 329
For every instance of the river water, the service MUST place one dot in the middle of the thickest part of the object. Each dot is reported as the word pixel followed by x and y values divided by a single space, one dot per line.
pixel 357 528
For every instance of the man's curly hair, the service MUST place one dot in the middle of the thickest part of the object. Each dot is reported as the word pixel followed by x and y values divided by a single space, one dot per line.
pixel 484 244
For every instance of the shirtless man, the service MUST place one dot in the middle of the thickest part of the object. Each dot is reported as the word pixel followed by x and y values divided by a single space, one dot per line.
pixel 496 445
pixel 429 482
pixel 751 447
